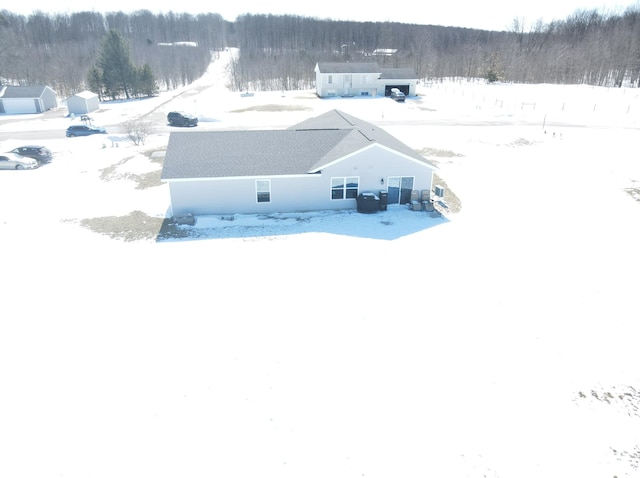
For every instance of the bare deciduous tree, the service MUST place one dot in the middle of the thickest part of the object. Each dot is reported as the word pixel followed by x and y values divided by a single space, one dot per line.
pixel 280 52
pixel 138 131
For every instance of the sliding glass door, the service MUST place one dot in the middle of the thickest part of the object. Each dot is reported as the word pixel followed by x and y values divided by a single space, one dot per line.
pixel 399 189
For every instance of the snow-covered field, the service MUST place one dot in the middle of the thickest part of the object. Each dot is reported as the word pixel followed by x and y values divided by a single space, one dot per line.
pixel 497 342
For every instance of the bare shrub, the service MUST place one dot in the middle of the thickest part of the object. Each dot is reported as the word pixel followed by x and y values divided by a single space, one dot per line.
pixel 138 131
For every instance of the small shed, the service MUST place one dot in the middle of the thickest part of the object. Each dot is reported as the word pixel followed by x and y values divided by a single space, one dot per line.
pixel 83 103
pixel 27 99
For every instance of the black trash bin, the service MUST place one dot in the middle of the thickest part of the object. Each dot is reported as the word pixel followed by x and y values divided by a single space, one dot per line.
pixel 384 199
pixel 367 202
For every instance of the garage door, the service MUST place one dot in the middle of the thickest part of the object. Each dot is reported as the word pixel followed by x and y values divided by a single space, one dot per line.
pixel 403 88
pixel 14 106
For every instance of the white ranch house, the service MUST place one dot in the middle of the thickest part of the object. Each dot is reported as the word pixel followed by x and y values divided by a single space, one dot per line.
pixel 27 99
pixel 362 79
pixel 320 164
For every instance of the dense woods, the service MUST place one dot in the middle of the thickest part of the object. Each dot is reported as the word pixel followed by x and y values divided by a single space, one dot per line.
pixel 280 52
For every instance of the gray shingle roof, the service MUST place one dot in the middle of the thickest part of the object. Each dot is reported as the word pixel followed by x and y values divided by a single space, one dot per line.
pixel 22 92
pixel 342 120
pixel 385 73
pixel 398 74
pixel 212 154
pixel 347 67
pixel 302 149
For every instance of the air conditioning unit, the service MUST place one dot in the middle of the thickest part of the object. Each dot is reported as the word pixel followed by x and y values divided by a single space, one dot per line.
pixel 439 191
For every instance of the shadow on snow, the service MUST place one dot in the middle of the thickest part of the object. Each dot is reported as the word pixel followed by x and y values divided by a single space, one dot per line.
pixel 395 222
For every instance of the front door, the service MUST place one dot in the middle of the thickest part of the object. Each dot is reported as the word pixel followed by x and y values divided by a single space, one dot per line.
pixel 399 189
pixel 346 85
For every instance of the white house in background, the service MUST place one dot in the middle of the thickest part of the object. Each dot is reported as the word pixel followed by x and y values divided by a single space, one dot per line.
pixel 27 99
pixel 362 79
pixel 322 163
pixel 83 103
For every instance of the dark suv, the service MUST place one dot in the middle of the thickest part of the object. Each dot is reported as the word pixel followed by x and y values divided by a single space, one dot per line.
pixel 40 153
pixel 397 95
pixel 179 118
pixel 84 130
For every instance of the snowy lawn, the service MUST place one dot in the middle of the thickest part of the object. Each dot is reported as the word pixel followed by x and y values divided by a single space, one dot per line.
pixel 499 341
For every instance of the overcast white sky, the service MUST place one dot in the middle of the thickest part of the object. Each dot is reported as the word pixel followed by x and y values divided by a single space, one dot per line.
pixel 487 14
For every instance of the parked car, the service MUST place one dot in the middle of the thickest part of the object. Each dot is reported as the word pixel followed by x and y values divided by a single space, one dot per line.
pixel 397 95
pixel 39 153
pixel 15 161
pixel 84 130
pixel 180 118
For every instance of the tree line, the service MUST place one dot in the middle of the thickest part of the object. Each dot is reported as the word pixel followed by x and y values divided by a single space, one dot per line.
pixel 280 51
pixel 588 47
pixel 61 50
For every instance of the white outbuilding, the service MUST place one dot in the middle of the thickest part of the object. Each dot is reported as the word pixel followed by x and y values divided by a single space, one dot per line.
pixel 27 99
pixel 83 103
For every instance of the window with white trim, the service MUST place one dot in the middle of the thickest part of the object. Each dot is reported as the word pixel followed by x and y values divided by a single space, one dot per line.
pixel 344 188
pixel 263 190
pixel 330 79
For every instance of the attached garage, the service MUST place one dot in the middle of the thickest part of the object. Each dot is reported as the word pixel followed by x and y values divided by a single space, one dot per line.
pixel 405 79
pixel 27 99
pixel 83 103
pixel 404 88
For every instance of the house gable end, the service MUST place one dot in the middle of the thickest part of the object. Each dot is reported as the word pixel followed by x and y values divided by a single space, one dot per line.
pixel 372 148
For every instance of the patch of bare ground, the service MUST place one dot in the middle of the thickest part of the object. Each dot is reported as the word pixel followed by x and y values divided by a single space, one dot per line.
pixel 135 226
pixel 142 180
pixel 634 191
pixel 521 142
pixel 623 399
pixel 438 153
pixel 450 203
pixel 273 108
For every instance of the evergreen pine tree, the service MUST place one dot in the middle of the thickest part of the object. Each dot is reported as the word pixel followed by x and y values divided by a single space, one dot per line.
pixel 118 72
pixel 94 81
pixel 146 81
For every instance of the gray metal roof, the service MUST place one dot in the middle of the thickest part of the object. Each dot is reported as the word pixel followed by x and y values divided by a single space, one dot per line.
pixel 302 149
pixel 347 67
pixel 22 92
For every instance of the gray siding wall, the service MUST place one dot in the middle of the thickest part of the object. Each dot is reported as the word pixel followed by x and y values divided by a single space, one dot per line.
pixel 238 196
pixel 80 105
pixel 360 83
pixel 49 99
pixel 354 84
